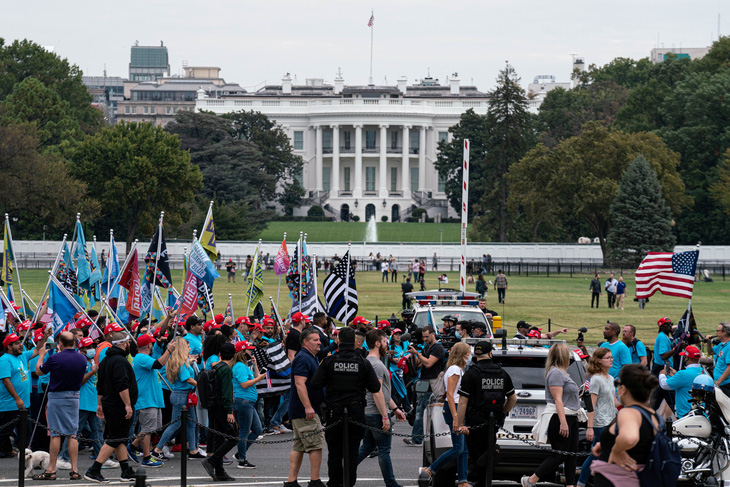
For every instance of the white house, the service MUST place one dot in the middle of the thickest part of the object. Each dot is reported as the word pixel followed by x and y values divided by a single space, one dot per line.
pixel 368 150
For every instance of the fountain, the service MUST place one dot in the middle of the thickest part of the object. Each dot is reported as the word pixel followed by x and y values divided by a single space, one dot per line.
pixel 371 232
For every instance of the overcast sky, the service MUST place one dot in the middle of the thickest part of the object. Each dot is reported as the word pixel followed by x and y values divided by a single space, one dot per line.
pixel 257 42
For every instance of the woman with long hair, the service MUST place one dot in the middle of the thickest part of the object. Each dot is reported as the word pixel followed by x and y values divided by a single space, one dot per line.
pixel 180 375
pixel 397 349
pixel 620 456
pixel 245 396
pixel 458 358
pixel 602 393
pixel 561 414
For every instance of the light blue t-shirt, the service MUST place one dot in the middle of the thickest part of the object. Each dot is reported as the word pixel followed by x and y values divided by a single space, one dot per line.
pixel 185 373
pixel 149 383
pixel 621 356
pixel 662 344
pixel 638 352
pixel 211 361
pixel 15 368
pixel 196 344
pixel 241 374
pixel 88 396
pixel 681 382
pixel 42 381
pixel 722 358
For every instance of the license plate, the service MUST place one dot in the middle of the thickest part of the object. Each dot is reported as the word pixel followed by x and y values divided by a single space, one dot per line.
pixel 523 412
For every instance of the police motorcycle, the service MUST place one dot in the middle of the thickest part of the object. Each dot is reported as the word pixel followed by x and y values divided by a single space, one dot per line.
pixel 704 436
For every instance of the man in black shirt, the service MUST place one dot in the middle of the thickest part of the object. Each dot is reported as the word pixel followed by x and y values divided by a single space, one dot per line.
pixel 595 289
pixel 406 287
pixel 431 361
pixel 117 390
pixel 346 375
pixel 485 388
pixel 293 343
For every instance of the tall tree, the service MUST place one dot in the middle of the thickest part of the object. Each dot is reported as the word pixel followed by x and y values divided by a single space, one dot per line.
pixel 580 177
pixel 641 220
pixel 136 171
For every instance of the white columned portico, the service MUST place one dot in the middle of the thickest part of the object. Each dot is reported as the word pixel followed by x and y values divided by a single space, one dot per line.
pixel 382 172
pixel 318 158
pixel 405 166
pixel 357 189
pixel 422 159
pixel 335 176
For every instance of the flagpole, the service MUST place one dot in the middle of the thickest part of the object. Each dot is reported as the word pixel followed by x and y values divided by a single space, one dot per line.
pixel 347 283
pixel 73 301
pixel 253 280
pixel 314 277
pixel 92 287
pixel 299 268
pixel 105 300
pixel 230 304
pixel 278 289
pixel 112 249
pixel 15 263
pixel 304 274
pixel 464 215
pixel 6 302
pixel 372 29
pixel 205 286
pixel 54 269
pixel 276 315
pixel 30 300
pixel 157 257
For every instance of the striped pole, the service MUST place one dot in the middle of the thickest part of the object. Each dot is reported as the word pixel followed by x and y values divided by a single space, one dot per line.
pixel 464 214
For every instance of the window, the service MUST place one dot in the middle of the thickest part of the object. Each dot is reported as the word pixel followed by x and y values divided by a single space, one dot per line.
pixel 134 109
pixel 299 177
pixel 168 110
pixel 415 141
pixel 394 179
pixel 326 141
pixel 298 140
pixel 370 178
pixel 326 178
pixel 147 110
pixel 346 139
pixel 394 140
pixel 126 110
pixel 347 178
pixel 414 179
pixel 152 110
pixel 443 136
pixel 174 110
pixel 370 139
pixel 442 184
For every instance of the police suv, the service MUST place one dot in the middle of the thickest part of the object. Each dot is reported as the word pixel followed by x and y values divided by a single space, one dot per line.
pixel 524 361
pixel 431 306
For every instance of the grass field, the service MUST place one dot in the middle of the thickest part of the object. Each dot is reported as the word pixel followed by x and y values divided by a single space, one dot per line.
pixel 355 231
pixel 563 300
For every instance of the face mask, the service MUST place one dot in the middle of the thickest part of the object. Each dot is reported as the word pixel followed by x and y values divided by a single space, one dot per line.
pixel 90 353
pixel 458 335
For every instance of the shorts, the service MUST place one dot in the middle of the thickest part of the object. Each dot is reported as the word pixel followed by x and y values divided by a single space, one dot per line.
pixel 63 413
pixel 150 420
pixel 303 427
pixel 116 427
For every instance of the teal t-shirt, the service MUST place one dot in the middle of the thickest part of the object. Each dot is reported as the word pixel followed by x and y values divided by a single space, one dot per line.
pixel 621 356
pixel 88 396
pixel 681 382
pixel 149 383
pixel 196 344
pixel 185 373
pixel 722 358
pixel 241 374
pixel 662 344
pixel 15 368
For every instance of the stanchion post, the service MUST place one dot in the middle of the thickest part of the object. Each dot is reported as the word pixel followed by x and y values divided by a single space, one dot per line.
pixel 490 458
pixel 345 448
pixel 183 446
pixel 140 478
pixel 22 442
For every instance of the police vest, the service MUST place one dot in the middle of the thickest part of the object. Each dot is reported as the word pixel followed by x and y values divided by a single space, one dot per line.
pixel 491 397
pixel 347 371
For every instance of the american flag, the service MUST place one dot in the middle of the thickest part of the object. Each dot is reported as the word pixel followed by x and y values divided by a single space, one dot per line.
pixel 372 20
pixel 670 273
pixel 340 291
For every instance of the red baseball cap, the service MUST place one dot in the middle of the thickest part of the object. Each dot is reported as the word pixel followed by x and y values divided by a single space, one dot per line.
pixel 112 328
pixel 580 353
pixel 360 320
pixel 269 322
pixel 207 325
pixel 85 342
pixel 397 330
pixel 244 345
pixel 691 352
pixel 219 319
pixel 534 334
pixel 382 324
pixel 297 317
pixel 82 322
pixel 663 321
pixel 12 338
pixel 243 319
pixel 38 335
pixel 145 340
pixel 24 326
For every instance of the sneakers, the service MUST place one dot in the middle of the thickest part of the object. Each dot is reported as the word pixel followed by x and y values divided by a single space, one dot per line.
pixel 176 448
pixel 110 464
pixel 223 477
pixel 410 442
pixel 226 460
pixel 196 455
pixel 97 477
pixel 316 483
pixel 245 464
pixel 209 469
pixel 167 452
pixel 161 456
pixel 271 431
pixel 292 484
pixel 525 482
pixel 235 455
pixel 127 476
pixel 281 429
pixel 131 454
pixel 152 463
pixel 63 464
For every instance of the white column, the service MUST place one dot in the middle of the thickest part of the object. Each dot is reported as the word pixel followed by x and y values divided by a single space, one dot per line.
pixel 318 155
pixel 335 174
pixel 422 159
pixel 357 189
pixel 405 166
pixel 382 172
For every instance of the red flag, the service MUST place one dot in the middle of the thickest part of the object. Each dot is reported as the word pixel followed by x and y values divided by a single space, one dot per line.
pixel 281 262
pixel 189 297
pixel 130 281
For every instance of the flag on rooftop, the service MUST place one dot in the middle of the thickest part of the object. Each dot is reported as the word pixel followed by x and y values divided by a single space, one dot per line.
pixel 340 291
pixel 669 273
pixel 372 20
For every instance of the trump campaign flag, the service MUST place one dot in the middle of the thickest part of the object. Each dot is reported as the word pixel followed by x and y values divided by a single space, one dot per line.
pixel 669 273
pixel 130 281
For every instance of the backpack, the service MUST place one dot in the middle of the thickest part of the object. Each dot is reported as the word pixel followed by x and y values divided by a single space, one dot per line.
pixel 664 464
pixel 207 389
pixel 438 388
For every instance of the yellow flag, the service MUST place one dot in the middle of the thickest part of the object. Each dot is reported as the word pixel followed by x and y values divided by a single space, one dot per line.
pixel 8 258
pixel 207 237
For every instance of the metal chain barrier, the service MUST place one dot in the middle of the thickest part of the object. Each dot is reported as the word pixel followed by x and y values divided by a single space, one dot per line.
pixel 274 442
pixel 11 422
pixel 93 440
pixel 409 435
pixel 513 436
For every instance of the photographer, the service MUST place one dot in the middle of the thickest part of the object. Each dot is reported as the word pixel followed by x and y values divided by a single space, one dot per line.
pixel 431 361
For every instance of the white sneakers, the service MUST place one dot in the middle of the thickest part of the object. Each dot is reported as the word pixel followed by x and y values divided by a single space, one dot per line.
pixel 63 464
pixel 110 464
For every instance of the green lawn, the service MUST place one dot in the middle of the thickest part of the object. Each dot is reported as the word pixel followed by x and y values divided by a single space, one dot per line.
pixel 355 231
pixel 563 300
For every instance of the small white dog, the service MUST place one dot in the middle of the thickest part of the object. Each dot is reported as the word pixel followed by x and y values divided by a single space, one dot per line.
pixel 35 459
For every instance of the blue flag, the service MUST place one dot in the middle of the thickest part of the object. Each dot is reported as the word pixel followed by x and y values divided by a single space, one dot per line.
pixel 112 264
pixel 82 259
pixel 62 309
pixel 201 266
pixel 122 312
pixel 95 279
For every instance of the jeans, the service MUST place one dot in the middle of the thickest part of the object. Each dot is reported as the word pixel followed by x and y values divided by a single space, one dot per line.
pixel 178 400
pixel 281 411
pixel 500 293
pixel 458 451
pixel 417 431
pixel 87 418
pixel 249 425
pixel 381 441
pixel 585 470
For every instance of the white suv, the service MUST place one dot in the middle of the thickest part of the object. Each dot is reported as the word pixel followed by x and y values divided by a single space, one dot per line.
pixel 431 306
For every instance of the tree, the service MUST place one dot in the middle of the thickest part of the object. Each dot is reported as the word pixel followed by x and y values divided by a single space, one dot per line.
pixel 641 219
pixel 580 177
pixel 136 171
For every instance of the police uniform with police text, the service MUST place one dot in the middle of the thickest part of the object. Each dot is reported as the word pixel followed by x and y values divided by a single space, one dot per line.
pixel 346 375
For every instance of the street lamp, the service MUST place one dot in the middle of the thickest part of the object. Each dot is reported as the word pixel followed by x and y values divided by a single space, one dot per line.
pixel 385 203
pixel 355 203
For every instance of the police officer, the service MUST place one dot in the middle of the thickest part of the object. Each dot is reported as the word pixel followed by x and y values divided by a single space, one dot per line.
pixel 346 375
pixel 478 329
pixel 447 336
pixel 485 388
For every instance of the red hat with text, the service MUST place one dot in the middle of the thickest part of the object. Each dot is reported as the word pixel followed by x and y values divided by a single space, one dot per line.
pixel 691 352
pixel 12 338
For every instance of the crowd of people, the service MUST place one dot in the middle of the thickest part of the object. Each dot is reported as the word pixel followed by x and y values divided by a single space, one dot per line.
pixel 119 390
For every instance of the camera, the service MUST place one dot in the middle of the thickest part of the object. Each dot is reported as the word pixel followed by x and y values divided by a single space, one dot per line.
pixel 582 330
